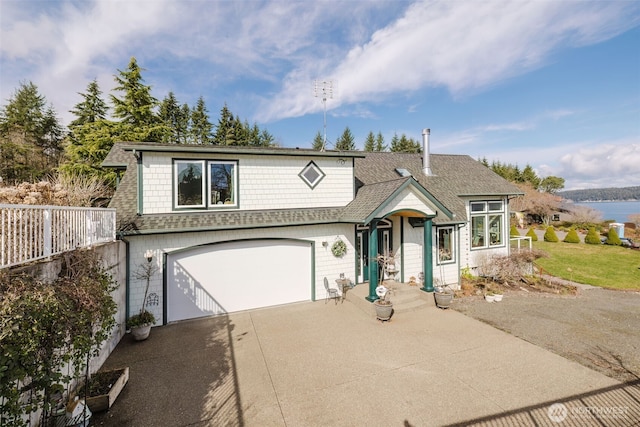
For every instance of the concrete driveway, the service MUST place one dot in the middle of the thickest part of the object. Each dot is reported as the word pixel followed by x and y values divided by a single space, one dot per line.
pixel 326 364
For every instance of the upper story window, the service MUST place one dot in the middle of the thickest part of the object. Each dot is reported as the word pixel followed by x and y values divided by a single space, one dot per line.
pixel 201 184
pixel 222 183
pixel 487 224
pixel 189 186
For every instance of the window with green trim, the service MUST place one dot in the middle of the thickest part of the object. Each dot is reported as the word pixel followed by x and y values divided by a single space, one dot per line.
pixel 189 183
pixel 445 241
pixel 222 183
pixel 202 184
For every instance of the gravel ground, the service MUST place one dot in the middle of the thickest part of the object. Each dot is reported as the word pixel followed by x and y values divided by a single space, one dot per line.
pixel 597 328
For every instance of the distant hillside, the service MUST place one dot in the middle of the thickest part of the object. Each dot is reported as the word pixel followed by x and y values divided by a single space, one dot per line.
pixel 602 194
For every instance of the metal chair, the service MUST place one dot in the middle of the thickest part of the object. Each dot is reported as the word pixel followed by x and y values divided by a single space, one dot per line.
pixel 331 292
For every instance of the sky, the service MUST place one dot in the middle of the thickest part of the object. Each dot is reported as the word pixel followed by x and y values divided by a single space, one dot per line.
pixel 550 84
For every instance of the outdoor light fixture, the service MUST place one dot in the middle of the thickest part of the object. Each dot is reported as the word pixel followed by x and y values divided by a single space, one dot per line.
pixel 325 243
pixel 148 255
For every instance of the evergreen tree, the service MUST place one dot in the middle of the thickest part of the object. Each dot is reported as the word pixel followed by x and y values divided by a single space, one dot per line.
pixel 530 176
pixel 224 128
pixel 370 142
pixel 532 233
pixel 174 123
pixel 380 145
pixel 30 136
pixel 346 142
pixel 513 231
pixel 318 142
pixel 266 139
pixel 90 138
pixel 201 127
pixel 613 238
pixel 550 235
pixel 405 144
pixel 91 109
pixel 592 237
pixel 136 108
pixel 572 236
pixel 87 147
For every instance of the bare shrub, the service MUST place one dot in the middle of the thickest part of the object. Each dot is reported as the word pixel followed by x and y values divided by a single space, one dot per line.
pixel 510 269
pixel 60 190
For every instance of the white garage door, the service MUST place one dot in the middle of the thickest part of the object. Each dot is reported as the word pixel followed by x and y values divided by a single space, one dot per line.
pixel 227 277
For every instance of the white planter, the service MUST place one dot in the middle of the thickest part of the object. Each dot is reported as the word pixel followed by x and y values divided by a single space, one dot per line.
pixel 490 298
pixel 497 297
pixel 141 333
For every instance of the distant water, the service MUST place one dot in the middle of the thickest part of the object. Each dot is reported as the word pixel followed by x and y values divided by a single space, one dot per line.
pixel 618 211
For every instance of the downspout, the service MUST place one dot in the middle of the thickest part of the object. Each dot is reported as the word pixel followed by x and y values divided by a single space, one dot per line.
pixel 138 157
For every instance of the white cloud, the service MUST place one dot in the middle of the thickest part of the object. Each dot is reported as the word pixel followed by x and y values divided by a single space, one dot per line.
pixel 610 164
pixel 464 46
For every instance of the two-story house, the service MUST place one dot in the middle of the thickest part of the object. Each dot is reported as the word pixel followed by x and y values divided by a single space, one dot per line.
pixel 237 228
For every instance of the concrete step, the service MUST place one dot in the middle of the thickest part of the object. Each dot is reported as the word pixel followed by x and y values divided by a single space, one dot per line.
pixel 405 298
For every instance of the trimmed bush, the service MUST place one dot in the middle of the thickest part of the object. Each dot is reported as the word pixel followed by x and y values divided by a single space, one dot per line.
pixel 550 235
pixel 572 236
pixel 532 233
pixel 592 237
pixel 514 231
pixel 613 238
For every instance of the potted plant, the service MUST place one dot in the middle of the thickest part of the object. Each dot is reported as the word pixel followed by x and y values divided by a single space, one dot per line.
pixel 489 296
pixel 443 295
pixel 140 324
pixel 383 305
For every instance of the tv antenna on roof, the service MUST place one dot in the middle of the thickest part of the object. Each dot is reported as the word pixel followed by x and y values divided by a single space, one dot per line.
pixel 324 89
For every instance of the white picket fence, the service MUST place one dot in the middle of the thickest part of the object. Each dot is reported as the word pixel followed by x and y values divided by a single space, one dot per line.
pixel 35 232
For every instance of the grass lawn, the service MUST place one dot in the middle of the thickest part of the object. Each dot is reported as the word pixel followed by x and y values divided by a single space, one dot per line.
pixel 606 266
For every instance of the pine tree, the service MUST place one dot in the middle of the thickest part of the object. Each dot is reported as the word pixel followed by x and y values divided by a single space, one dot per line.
pixel 136 108
pixel 405 144
pixel 201 127
pixel 380 145
pixel 532 233
pixel 530 176
pixel 90 138
pixel 174 123
pixel 318 142
pixel 224 128
pixel 370 142
pixel 91 109
pixel 346 142
pixel 30 136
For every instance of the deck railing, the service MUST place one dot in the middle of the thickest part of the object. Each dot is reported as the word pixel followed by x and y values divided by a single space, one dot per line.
pixel 35 232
